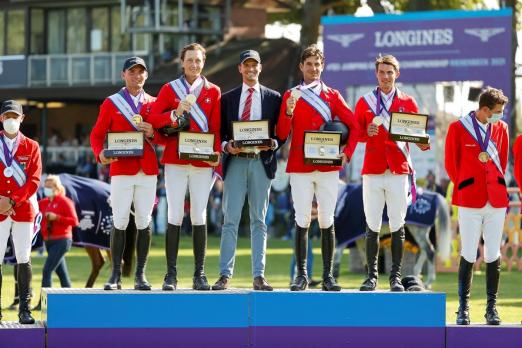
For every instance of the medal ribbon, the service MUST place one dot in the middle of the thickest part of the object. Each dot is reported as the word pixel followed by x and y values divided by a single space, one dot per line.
pixel 9 155
pixel 483 143
pixel 130 101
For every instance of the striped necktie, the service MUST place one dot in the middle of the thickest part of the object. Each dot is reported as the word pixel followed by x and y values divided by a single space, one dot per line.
pixel 245 116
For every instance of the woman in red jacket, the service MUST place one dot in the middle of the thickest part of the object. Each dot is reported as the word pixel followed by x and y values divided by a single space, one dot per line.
pixel 59 218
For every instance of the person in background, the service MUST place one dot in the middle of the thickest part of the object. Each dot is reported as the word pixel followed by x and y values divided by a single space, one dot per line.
pixel 59 218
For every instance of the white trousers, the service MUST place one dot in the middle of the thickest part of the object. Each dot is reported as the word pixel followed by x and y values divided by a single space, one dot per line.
pixel 199 182
pixel 487 222
pixel 390 189
pixel 22 233
pixel 325 186
pixel 139 189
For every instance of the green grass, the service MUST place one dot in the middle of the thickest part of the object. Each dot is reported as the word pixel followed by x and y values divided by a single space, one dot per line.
pixel 277 273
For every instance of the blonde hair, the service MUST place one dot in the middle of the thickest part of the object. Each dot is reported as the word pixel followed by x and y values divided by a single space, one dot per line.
pixel 55 180
pixel 388 60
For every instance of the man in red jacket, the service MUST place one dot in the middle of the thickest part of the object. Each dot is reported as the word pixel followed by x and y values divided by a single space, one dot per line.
pixel 476 158
pixel 190 102
pixel 133 179
pixel 307 110
pixel 20 172
pixel 387 170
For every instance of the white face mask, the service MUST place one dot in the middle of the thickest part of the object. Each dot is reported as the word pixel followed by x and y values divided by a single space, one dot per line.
pixel 48 192
pixel 11 125
pixel 495 118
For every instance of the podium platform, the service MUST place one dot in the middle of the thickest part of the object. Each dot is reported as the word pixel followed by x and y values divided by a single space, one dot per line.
pixel 13 335
pixel 242 318
pixel 484 336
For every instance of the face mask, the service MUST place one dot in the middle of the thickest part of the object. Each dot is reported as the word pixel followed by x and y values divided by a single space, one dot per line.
pixel 495 118
pixel 48 192
pixel 11 125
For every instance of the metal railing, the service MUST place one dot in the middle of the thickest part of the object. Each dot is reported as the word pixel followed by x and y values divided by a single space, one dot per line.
pixel 77 69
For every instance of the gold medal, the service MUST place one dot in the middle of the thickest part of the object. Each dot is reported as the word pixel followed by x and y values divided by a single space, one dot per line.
pixel 378 120
pixel 296 94
pixel 191 99
pixel 483 157
pixel 137 119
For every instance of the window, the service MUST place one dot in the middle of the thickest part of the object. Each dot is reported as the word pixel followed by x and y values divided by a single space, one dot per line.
pixel 56 31
pixel 15 31
pixel 37 40
pixel 2 33
pixel 76 30
pixel 120 41
pixel 100 29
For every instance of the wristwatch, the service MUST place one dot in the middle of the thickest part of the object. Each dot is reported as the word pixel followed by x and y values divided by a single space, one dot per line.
pixel 12 202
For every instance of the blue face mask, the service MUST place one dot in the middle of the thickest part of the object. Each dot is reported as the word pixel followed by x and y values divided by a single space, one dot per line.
pixel 495 118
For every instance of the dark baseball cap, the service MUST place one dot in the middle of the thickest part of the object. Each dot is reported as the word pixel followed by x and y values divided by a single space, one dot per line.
pixel 11 106
pixel 133 61
pixel 249 54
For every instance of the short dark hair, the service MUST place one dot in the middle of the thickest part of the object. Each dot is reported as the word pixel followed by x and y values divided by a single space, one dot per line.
pixel 491 97
pixel 312 51
pixel 193 47
pixel 388 60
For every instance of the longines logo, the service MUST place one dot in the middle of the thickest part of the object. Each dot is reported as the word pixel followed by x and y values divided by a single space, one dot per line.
pixel 484 34
pixel 345 39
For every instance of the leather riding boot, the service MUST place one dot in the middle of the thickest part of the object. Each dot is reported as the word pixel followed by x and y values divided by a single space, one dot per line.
pixel 171 251
pixel 465 277
pixel 16 300
pixel 142 252
pixel 492 280
pixel 300 282
pixel 397 250
pixel 327 251
pixel 199 245
pixel 372 256
pixel 24 288
pixel 117 248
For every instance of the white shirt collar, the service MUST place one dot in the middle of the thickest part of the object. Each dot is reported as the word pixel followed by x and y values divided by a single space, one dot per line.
pixel 10 142
pixel 138 98
pixel 246 87
pixel 389 95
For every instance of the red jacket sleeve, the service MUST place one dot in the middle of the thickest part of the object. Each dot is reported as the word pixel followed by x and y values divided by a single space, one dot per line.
pixel 343 112
pixel 162 107
pixel 34 173
pixel 215 121
pixel 284 123
pixel 360 114
pixel 100 129
pixel 452 153
pixel 505 148
pixel 517 155
pixel 67 214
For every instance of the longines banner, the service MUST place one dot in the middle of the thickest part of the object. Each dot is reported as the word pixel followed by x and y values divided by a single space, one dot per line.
pixel 431 46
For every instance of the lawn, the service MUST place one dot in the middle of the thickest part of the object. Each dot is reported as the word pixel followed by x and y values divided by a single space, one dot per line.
pixel 277 273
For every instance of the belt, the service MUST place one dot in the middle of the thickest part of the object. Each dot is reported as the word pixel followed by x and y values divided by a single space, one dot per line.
pixel 249 155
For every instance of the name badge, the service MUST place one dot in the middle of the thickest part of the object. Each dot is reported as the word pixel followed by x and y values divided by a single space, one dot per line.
pixel 409 127
pixel 196 146
pixel 124 144
pixel 251 133
pixel 322 148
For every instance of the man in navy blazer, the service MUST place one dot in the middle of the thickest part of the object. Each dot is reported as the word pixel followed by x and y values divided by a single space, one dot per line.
pixel 247 171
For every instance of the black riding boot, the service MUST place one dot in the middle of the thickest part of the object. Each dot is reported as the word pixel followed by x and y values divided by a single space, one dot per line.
pixel 171 251
pixel 142 252
pixel 397 250
pixel 327 251
pixel 465 277
pixel 16 301
pixel 372 256
pixel 24 289
pixel 117 248
pixel 492 280
pixel 300 282
pixel 199 245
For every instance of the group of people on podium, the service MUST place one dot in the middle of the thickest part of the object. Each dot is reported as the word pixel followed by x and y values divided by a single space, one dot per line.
pixel 476 158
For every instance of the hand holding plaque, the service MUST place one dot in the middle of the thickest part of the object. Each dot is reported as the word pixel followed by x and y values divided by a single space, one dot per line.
pixel 197 146
pixel 251 133
pixel 409 127
pixel 322 148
